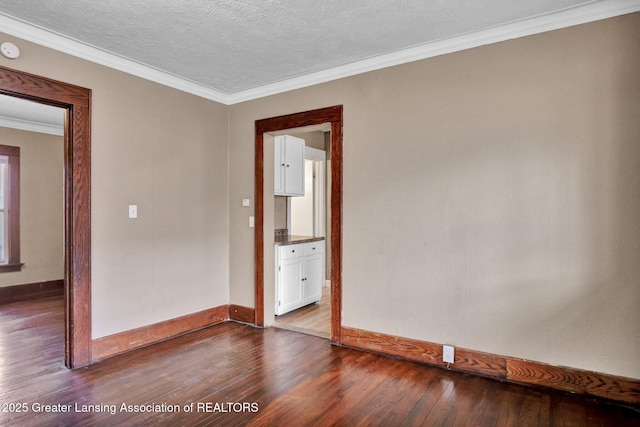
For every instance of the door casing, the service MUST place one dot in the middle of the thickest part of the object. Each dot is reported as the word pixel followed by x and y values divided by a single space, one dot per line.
pixel 76 101
pixel 332 115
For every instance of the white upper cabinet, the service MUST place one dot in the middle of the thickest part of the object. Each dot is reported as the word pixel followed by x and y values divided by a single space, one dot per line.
pixel 288 166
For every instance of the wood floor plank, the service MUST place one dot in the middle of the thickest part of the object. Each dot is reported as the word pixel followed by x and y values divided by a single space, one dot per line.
pixel 235 374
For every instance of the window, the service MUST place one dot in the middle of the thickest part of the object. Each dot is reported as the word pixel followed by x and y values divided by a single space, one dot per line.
pixel 9 209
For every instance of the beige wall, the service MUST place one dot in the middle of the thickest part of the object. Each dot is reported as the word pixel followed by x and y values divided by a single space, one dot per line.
pixel 314 139
pixel 490 196
pixel 41 206
pixel 165 151
pixel 280 212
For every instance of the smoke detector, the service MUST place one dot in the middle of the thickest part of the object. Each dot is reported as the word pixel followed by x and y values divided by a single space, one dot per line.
pixel 9 50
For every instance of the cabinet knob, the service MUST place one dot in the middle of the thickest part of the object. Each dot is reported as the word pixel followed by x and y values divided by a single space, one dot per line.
pixel 287 165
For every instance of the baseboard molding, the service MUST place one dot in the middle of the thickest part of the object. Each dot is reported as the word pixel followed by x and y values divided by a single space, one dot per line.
pixel 425 352
pixel 619 389
pixel 242 314
pixel 112 345
pixel 50 288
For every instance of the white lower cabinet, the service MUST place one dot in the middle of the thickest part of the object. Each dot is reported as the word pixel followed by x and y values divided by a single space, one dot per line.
pixel 299 275
pixel 289 288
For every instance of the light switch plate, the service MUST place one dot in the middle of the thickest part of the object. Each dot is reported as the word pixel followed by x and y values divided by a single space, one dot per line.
pixel 133 211
pixel 246 202
pixel 252 222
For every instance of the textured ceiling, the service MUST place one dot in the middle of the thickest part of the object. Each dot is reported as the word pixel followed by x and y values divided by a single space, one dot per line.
pixel 232 46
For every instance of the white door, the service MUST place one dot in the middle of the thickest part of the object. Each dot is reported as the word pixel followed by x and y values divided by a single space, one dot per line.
pixel 290 292
pixel 294 166
pixel 278 165
pixel 312 274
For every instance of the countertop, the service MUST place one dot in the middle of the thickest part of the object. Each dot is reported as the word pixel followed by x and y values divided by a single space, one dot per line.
pixel 289 239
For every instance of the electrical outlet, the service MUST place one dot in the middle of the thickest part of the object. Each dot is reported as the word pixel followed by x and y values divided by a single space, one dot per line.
pixel 447 354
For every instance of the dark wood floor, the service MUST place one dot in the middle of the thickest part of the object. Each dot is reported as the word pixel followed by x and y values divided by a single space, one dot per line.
pixel 281 377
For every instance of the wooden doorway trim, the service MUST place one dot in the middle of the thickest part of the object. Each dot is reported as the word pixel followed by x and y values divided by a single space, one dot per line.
pixel 331 115
pixel 77 200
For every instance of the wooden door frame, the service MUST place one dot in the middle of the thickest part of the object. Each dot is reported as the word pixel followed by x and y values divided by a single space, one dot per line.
pixel 332 115
pixel 77 200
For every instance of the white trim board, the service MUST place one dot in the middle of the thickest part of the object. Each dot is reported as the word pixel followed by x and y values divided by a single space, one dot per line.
pixel 311 153
pixel 566 18
pixel 52 40
pixel 10 122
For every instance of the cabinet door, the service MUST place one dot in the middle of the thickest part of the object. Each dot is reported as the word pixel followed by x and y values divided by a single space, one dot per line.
pixel 312 268
pixel 293 166
pixel 290 291
pixel 278 166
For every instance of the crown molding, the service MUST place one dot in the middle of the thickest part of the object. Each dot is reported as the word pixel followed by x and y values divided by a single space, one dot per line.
pixel 590 12
pixel 10 122
pixel 594 11
pixel 50 39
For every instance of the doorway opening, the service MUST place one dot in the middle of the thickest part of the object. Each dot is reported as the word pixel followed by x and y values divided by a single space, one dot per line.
pixel 76 102
pixel 31 200
pixel 301 217
pixel 265 129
